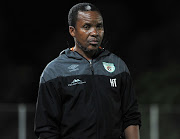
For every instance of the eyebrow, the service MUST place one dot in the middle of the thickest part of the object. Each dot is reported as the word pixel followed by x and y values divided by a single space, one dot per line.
pixel 88 23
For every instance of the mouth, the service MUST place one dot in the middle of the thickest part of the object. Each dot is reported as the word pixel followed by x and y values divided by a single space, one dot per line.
pixel 94 42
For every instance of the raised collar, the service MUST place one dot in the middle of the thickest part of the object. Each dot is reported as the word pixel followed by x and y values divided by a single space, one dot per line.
pixel 75 55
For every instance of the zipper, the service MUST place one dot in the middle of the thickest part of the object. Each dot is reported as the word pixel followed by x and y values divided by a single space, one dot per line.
pixel 90 61
pixel 91 67
pixel 96 102
pixel 95 92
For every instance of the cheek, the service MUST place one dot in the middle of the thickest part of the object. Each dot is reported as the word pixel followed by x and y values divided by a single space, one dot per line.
pixel 101 34
pixel 86 33
pixel 82 37
pixel 83 33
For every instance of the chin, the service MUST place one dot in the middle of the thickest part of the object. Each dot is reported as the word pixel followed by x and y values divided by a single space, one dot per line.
pixel 93 47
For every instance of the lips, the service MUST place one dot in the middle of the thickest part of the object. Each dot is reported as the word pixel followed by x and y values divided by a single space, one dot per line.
pixel 94 41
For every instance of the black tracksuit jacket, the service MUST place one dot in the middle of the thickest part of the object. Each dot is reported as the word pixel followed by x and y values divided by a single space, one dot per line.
pixel 81 99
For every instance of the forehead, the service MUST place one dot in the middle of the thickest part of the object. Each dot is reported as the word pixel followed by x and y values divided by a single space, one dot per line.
pixel 89 16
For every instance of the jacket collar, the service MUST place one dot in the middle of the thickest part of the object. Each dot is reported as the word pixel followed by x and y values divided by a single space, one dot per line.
pixel 75 55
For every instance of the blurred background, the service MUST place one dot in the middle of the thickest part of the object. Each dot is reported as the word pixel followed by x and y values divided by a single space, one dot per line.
pixel 145 34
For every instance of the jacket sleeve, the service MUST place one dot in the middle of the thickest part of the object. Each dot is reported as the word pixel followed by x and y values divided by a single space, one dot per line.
pixel 131 115
pixel 48 111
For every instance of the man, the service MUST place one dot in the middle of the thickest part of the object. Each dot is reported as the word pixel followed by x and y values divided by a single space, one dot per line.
pixel 86 92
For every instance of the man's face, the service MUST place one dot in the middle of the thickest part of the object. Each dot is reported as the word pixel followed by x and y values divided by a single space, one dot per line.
pixel 89 30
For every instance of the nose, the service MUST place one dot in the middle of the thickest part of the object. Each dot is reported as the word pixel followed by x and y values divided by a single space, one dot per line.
pixel 94 32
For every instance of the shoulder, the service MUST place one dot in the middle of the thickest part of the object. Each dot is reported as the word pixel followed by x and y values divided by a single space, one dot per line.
pixel 49 71
pixel 53 69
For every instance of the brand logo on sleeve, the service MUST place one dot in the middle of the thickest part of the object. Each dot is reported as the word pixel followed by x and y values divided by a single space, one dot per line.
pixel 73 67
pixel 76 82
pixel 109 67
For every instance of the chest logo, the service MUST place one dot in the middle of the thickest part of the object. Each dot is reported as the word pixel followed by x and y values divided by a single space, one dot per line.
pixel 76 82
pixel 109 67
pixel 73 67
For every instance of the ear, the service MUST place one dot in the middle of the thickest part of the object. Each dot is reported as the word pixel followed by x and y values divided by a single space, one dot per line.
pixel 72 31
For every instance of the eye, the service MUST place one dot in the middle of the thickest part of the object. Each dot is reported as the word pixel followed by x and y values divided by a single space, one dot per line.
pixel 99 26
pixel 86 26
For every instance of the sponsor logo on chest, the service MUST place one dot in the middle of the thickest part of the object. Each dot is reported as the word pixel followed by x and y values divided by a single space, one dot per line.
pixel 76 82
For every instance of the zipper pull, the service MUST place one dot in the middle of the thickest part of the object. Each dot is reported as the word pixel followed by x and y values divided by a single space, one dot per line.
pixel 91 66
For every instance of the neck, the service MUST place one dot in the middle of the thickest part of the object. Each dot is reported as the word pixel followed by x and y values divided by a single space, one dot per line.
pixel 86 54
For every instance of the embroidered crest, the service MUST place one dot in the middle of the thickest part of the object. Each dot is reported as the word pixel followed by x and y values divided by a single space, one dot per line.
pixel 109 67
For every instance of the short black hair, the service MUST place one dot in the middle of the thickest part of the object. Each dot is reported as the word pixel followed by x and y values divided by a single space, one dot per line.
pixel 73 12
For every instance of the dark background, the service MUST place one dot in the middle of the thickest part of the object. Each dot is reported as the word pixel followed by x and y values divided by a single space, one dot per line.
pixel 145 34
